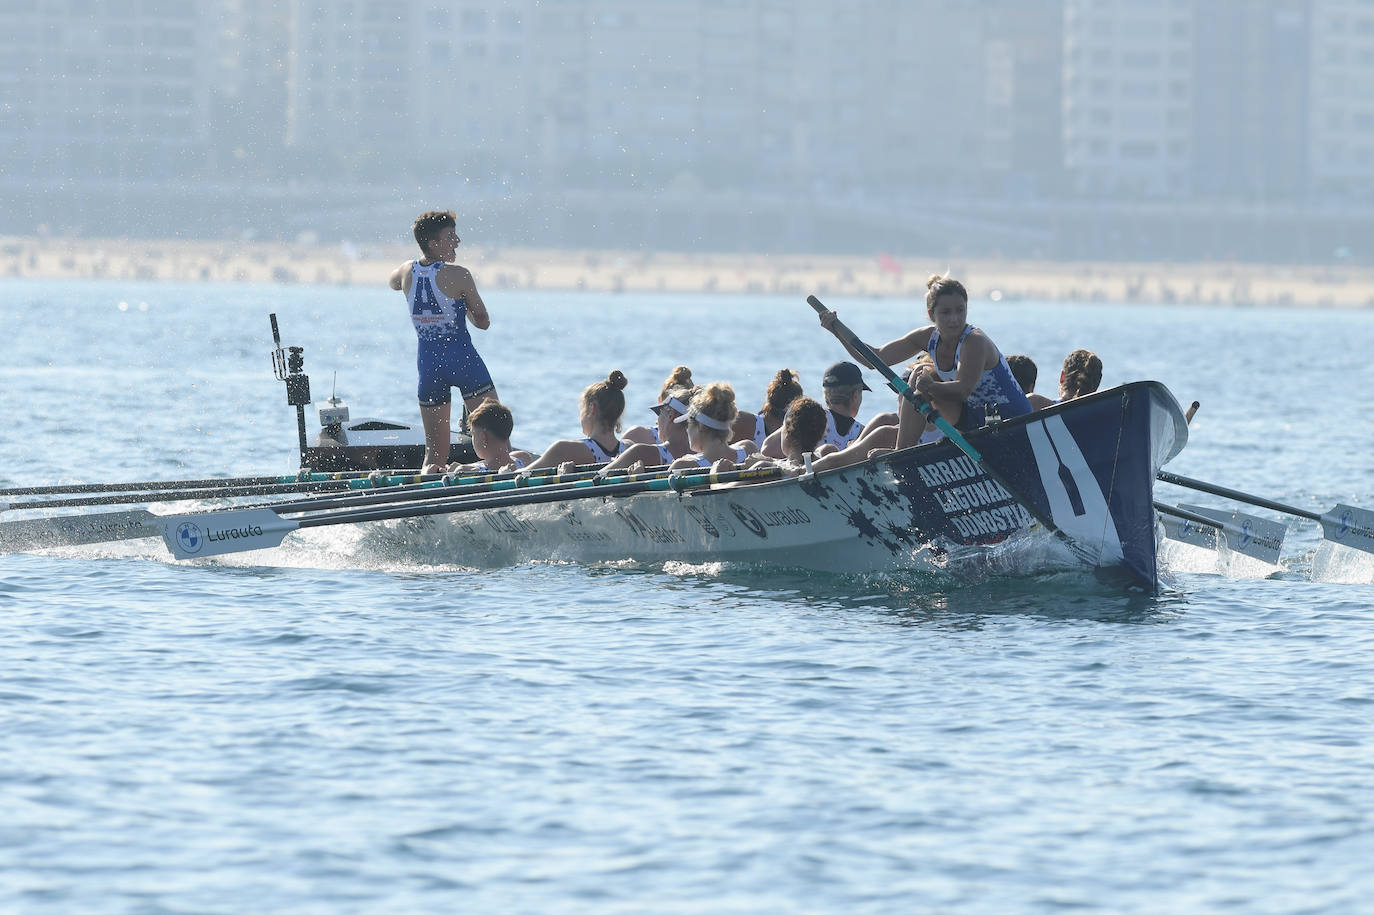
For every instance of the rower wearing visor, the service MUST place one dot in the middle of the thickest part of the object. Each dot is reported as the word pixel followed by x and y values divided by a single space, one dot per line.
pixel 709 419
pixel 668 441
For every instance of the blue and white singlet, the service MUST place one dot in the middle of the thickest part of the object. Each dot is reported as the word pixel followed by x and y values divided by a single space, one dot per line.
pixel 445 357
pixel 997 385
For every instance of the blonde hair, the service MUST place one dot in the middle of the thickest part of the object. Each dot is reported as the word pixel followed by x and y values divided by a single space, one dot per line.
pixel 716 400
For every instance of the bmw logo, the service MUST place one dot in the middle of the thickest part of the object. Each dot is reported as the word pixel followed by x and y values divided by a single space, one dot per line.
pixel 749 518
pixel 189 537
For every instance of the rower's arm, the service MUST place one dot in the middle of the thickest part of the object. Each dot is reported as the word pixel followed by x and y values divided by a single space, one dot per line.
pixel 457 283
pixel 973 356
pixel 398 277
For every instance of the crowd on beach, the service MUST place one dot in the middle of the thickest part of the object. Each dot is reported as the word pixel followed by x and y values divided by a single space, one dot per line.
pixel 954 366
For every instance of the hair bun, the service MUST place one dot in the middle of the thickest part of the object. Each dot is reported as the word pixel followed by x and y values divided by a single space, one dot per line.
pixel 617 380
pixel 933 279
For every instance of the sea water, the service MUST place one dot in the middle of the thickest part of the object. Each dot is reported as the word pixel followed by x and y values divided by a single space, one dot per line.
pixel 322 728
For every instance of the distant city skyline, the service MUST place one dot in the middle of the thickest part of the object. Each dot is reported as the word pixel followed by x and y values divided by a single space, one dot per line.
pixel 1125 129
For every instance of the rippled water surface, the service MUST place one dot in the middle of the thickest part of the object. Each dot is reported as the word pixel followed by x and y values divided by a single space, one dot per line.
pixel 320 728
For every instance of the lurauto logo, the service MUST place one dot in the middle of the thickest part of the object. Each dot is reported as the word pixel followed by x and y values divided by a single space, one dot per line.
pixel 189 537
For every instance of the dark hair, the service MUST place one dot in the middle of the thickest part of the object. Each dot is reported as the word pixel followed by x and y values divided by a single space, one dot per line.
pixel 428 226
pixel 681 378
pixel 805 424
pixel 494 417
pixel 782 390
pixel 609 397
pixel 1023 370
pixel 938 285
pixel 1082 374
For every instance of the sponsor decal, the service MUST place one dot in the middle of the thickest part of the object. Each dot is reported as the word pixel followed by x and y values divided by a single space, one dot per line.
pixel 749 518
pixel 700 517
pixel 1347 519
pixel 506 523
pixel 189 537
pixel 228 533
pixel 652 532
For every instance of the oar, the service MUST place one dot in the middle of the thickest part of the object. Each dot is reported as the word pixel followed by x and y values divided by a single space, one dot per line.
pixel 209 482
pixel 1344 524
pixel 229 492
pixel 75 530
pixel 845 335
pixel 1257 537
pixel 216 533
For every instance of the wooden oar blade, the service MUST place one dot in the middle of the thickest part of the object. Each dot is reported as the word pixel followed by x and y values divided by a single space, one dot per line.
pixel 216 533
pixel 77 530
pixel 1247 534
pixel 1349 526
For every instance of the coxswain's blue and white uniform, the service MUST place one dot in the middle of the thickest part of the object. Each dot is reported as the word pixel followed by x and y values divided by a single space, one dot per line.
pixel 601 455
pixel 833 436
pixel 998 385
pixel 445 357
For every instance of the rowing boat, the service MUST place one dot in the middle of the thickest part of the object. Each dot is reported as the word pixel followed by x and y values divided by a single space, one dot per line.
pixel 1088 464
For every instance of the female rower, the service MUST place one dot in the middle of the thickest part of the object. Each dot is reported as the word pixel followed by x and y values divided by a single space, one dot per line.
pixel 709 418
pixel 602 405
pixel 680 378
pixel 491 424
pixel 1081 375
pixel 968 367
pixel 785 388
pixel 670 437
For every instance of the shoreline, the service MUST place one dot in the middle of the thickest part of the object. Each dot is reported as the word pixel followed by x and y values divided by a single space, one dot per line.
pixel 878 275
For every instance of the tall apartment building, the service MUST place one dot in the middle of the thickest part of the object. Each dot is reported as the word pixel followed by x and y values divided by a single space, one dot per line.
pixel 1341 133
pixel 114 90
pixel 1250 100
pixel 388 88
pixel 1128 96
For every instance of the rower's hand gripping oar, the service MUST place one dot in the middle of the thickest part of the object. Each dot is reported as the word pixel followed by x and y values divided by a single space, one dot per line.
pixel 847 336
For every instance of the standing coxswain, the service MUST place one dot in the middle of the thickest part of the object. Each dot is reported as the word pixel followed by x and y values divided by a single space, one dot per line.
pixel 443 298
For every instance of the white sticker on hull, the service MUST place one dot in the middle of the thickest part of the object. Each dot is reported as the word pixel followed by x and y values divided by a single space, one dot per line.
pixel 1077 505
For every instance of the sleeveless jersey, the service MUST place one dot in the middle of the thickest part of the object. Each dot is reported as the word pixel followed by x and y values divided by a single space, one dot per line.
pixel 599 454
pixel 740 457
pixel 760 433
pixel 833 436
pixel 435 315
pixel 997 385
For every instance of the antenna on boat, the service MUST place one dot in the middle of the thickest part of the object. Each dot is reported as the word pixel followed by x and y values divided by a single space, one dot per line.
pixel 287 366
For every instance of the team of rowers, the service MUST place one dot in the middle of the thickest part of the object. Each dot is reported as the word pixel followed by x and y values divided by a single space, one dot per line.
pixel 951 363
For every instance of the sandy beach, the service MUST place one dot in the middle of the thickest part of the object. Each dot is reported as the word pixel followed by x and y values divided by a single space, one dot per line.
pixel 880 275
